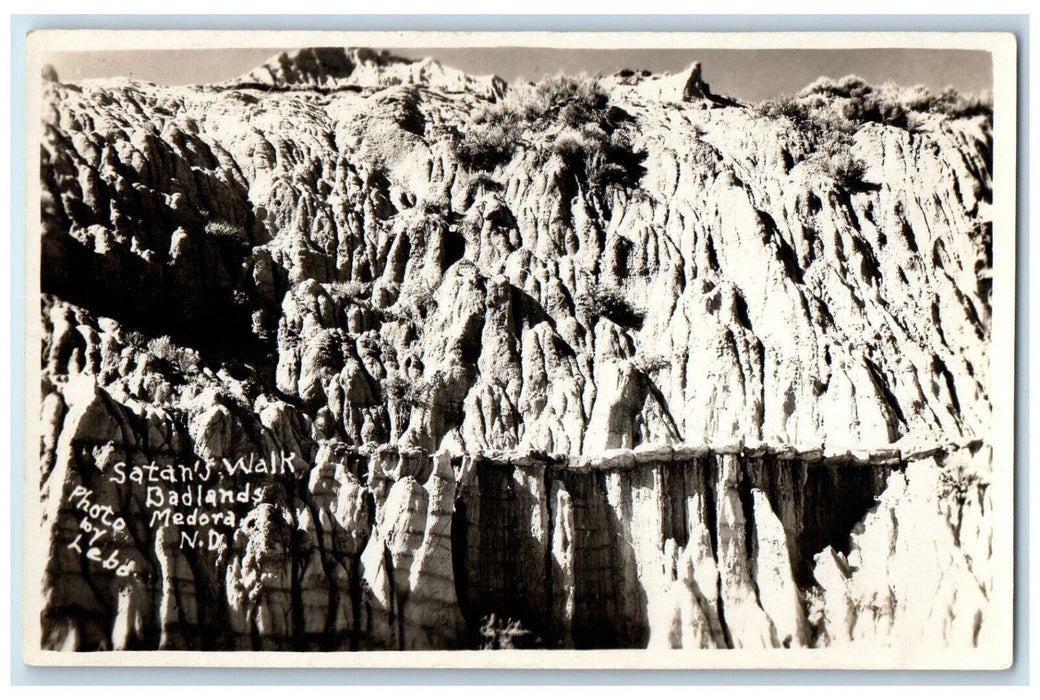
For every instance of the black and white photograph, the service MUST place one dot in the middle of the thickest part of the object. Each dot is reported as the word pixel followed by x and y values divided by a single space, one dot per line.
pixel 520 350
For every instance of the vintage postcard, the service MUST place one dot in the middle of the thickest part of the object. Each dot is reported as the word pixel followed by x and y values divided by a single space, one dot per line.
pixel 520 350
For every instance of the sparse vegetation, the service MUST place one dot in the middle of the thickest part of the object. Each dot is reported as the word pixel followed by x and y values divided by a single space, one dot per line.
pixel 185 360
pixel 566 117
pixel 162 348
pixel 846 170
pixel 136 339
pixel 949 102
pixel 394 387
pixel 406 393
pixel 491 138
pixel 608 302
pixel 188 361
pixel 649 362
pixel 858 103
pixel 509 634
pixel 415 303
pixel 352 289
pixel 483 180
pixel 827 113
pixel 226 232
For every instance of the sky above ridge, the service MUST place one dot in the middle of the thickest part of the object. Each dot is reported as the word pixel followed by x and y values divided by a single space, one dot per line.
pixel 747 74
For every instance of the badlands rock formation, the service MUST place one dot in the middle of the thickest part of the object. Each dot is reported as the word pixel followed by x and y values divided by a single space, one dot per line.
pixel 577 364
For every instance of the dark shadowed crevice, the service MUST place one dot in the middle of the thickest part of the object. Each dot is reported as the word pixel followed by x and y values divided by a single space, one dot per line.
pixel 459 569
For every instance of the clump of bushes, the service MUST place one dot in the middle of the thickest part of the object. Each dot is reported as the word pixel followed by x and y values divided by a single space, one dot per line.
pixel 846 170
pixel 406 393
pixel 185 360
pixel 608 302
pixel 162 348
pixel 949 102
pixel 603 158
pixel 226 232
pixel 491 139
pixel 827 113
pixel 416 303
pixel 572 117
pixel 648 362
pixel 351 289
pixel 857 102
pixel 850 102
pixel 136 339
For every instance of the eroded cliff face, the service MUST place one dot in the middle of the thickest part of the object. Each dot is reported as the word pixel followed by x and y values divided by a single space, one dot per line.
pixel 624 365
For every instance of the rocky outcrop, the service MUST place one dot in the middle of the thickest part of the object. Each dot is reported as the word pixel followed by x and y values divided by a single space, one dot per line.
pixel 331 68
pixel 615 363
pixel 679 548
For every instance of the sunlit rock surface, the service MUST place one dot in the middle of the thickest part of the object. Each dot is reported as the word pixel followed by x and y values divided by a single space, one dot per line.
pixel 629 365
